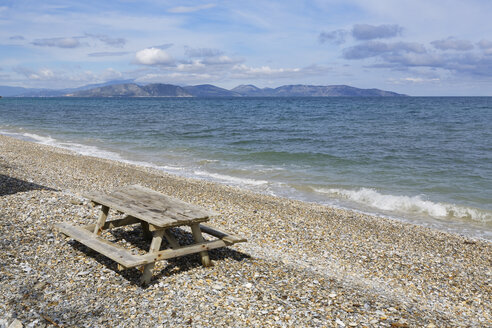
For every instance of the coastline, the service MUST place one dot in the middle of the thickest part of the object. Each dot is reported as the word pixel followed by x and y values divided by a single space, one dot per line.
pixel 304 264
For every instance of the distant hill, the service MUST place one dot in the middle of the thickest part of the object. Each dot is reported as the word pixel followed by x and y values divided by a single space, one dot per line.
pixel 301 90
pixel 165 90
pixel 127 88
pixel 133 90
pixel 253 91
pixel 6 91
pixel 35 92
pixel 155 90
pixel 208 90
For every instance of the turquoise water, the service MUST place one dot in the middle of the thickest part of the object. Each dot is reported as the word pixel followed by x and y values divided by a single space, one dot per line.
pixel 423 160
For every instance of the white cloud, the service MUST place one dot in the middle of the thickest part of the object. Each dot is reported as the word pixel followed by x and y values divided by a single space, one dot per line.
pixel 108 54
pixel 202 52
pixel 376 48
pixel 335 37
pixel 452 44
pixel 176 78
pixel 42 74
pixel 216 64
pixel 190 9
pixel 111 74
pixel 107 40
pixel 243 71
pixel 153 56
pixel 485 44
pixel 72 42
pixel 369 32
pixel 195 65
pixel 419 80
pixel 220 60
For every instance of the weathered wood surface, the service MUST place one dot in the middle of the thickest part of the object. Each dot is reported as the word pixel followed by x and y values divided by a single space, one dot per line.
pixel 151 206
pixel 111 250
pixel 85 236
pixel 102 220
pixel 184 250
pixel 228 237
pixel 157 213
pixel 197 236
pixel 155 246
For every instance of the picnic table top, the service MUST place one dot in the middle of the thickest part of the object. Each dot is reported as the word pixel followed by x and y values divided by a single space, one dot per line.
pixel 151 206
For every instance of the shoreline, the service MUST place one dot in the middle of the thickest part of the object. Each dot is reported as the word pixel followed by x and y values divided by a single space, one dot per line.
pixel 471 228
pixel 304 264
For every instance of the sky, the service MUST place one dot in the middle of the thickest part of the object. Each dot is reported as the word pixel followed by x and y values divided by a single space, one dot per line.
pixel 418 47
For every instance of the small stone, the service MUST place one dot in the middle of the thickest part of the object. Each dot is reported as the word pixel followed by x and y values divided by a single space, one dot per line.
pixel 340 322
pixel 248 285
pixel 16 324
pixel 39 285
pixel 75 201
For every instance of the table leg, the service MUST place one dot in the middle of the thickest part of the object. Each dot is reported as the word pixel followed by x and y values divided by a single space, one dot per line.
pixel 155 245
pixel 146 231
pixel 197 235
pixel 102 219
pixel 171 240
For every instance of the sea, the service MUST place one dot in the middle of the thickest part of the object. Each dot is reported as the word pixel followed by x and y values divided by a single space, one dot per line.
pixel 424 160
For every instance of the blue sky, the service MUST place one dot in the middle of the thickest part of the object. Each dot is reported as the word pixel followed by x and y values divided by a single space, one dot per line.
pixel 418 47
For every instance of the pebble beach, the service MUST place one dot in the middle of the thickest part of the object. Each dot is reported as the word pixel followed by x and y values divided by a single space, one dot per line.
pixel 304 265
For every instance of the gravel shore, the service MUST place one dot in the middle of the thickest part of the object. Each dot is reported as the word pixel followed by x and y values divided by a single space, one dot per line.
pixel 304 265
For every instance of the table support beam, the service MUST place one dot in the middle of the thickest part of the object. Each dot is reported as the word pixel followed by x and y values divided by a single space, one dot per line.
pixel 102 219
pixel 154 248
pixel 146 230
pixel 171 239
pixel 197 235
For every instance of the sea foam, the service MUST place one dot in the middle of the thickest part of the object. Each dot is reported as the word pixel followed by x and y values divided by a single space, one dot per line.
pixel 408 204
pixel 81 149
pixel 230 179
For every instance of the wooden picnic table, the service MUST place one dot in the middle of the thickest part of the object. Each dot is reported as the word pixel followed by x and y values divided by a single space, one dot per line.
pixel 156 213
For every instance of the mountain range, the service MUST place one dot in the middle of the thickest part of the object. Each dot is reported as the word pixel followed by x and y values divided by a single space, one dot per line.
pixel 130 89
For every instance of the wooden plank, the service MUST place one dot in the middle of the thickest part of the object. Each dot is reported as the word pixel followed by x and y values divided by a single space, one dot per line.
pixel 155 201
pixel 229 238
pixel 176 204
pixel 148 196
pixel 185 250
pixel 151 206
pixel 110 250
pixel 132 208
pixel 128 220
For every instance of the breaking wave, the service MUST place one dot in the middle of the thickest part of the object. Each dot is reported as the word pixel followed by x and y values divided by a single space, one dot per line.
pixel 409 204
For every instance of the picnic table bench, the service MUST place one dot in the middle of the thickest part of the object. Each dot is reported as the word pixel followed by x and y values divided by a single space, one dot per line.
pixel 156 213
